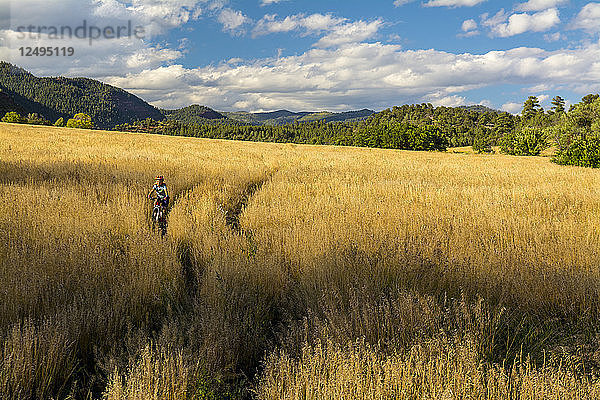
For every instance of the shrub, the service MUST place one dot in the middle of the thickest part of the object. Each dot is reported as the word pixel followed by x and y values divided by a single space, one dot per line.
pixel 37 119
pixel 582 151
pixel 60 122
pixel 527 141
pixel 13 117
pixel 80 120
pixel 402 136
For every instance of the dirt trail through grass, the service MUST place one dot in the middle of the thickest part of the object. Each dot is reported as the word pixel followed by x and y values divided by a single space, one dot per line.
pixel 234 210
pixel 227 202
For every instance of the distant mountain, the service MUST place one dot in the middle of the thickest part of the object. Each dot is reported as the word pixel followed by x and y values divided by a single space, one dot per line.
pixel 194 114
pixel 280 114
pixel 279 117
pixel 64 97
pixel 349 116
pixel 478 108
pixel 282 117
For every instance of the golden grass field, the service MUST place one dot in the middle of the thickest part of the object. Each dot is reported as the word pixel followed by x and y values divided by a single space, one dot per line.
pixel 292 271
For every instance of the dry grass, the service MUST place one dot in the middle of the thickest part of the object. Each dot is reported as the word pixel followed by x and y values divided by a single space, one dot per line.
pixel 326 259
pixel 36 361
pixel 156 375
pixel 426 371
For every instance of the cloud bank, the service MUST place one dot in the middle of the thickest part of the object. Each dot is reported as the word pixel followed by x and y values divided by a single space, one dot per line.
pixel 362 75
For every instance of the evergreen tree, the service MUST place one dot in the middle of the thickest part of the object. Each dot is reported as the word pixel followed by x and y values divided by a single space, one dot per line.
pixel 558 105
pixel 531 108
pixel 590 98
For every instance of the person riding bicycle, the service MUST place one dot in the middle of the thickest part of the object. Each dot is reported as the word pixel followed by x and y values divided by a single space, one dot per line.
pixel 162 194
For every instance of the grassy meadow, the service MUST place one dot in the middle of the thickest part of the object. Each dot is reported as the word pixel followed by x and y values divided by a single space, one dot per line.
pixel 292 272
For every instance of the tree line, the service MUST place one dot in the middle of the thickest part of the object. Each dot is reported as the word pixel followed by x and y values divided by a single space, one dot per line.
pixel 409 127
pixel 573 133
pixel 391 135
pixel 79 120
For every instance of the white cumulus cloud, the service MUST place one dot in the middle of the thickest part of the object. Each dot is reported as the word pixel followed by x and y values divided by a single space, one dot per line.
pixel 540 5
pixel 231 19
pixel 313 23
pixel 337 31
pixel 469 25
pixel 520 23
pixel 362 75
pixel 157 16
pixel 102 58
pixel 350 33
pixel 513 108
pixel 588 18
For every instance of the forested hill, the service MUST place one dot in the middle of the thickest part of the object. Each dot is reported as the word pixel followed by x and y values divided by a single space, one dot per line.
pixel 194 114
pixel 7 104
pixel 282 117
pixel 63 97
pixel 409 127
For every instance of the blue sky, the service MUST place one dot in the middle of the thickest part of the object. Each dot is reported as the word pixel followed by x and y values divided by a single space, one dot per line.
pixel 260 55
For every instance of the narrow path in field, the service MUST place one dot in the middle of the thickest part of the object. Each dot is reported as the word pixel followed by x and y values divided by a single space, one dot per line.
pixel 233 212
pixel 184 250
pixel 188 268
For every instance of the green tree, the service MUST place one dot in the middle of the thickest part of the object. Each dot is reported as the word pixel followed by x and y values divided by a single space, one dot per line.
pixel 505 123
pixel 590 98
pixel 60 122
pixel 531 108
pixel 13 117
pixel 558 105
pixel 584 114
pixel 80 120
pixel 482 141
pixel 526 141
pixel 582 151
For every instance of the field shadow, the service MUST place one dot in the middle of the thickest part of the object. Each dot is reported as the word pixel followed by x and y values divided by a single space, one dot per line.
pixel 30 172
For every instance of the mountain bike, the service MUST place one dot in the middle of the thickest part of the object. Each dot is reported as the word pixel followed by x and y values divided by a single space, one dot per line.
pixel 159 217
